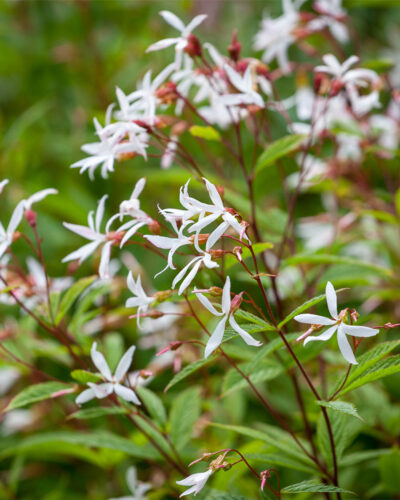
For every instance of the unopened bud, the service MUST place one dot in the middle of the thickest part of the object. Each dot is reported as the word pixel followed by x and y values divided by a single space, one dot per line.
pixel 145 373
pixel 144 125
pixel 154 227
pixel 115 236
pixel 262 70
pixel 337 86
pixel 313 328
pixel 162 295
pixel 193 46
pixel 236 301
pixel 238 252
pixel 234 47
pixel 215 291
pixel 216 253
pixel 242 65
pixel 179 128
pixel 201 238
pixel 126 156
pixel 30 216
pixel 354 315
pixel 167 93
pixel 16 236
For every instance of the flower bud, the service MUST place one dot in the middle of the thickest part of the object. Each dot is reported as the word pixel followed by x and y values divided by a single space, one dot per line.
pixel 30 216
pixel 16 236
pixel 216 253
pixel 236 301
pixel 115 236
pixel 167 93
pixel 162 295
pixel 193 46
pixel 238 252
pixel 154 227
pixel 234 47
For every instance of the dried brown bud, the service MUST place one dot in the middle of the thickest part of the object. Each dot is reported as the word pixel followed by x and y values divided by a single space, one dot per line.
pixel 193 47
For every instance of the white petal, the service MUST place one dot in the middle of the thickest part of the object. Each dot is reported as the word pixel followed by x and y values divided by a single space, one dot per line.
pixel 105 260
pixel 195 22
pixel 139 186
pixel 172 20
pixel 216 338
pixel 359 331
pixel 84 231
pixel 100 212
pixel 214 195
pixel 345 348
pixel 124 364
pixel 331 300
pixel 99 362
pixel 324 336
pixel 207 304
pixel 85 396
pixel 162 44
pixel 245 336
pixel 16 217
pixel 83 252
pixel 40 195
pixel 189 278
pixel 216 235
pixel 226 296
pixel 126 394
pixel 313 319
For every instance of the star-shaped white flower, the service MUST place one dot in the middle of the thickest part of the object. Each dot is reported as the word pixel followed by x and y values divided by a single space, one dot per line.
pixel 179 42
pixel 336 324
pixel 196 481
pixel 227 316
pixel 140 300
pixel 93 233
pixel 195 264
pixel 137 488
pixel 245 85
pixel 112 383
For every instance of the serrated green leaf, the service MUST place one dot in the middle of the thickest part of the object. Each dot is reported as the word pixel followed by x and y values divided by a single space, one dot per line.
pixel 278 149
pixel 382 368
pixel 300 309
pixel 248 316
pixel 188 370
pixel 205 132
pixel 320 258
pixel 36 393
pixel 153 404
pixel 313 486
pixel 90 413
pixel 84 377
pixel 341 406
pixel 231 260
pixel 185 411
pixel 234 380
pixel 71 295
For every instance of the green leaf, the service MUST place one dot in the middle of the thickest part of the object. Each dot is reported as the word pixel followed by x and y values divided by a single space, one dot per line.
pixel 303 307
pixel 344 431
pixel 389 468
pixel 342 407
pixel 248 316
pixel 71 295
pixel 397 202
pixel 234 380
pixel 281 461
pixel 382 368
pixel 188 370
pixel 89 413
pixel 207 133
pixel 185 411
pixel 278 149
pixel 36 393
pixel 313 486
pixel 321 258
pixel 153 404
pixel 83 377
pixel 274 437
pixel 231 260
pixel 382 65
pixel 99 439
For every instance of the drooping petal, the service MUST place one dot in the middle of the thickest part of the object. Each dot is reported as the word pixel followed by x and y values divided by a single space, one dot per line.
pixel 324 336
pixel 216 235
pixel 345 347
pixel 127 394
pixel 226 296
pixel 105 260
pixel 189 278
pixel 207 304
pixel 16 217
pixel 85 396
pixel 245 336
pixel 216 338
pixel 313 319
pixel 124 364
pixel 331 300
pixel 100 363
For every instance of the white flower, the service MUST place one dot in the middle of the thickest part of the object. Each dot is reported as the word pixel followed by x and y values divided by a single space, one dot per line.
pixel 39 196
pixel 92 232
pixel 132 207
pixel 180 42
pixel 205 259
pixel 276 35
pixel 137 488
pixel 6 235
pixel 142 103
pixel 336 323
pixel 216 337
pixel 215 211
pixel 2 184
pixel 332 17
pixel 245 85
pixel 141 300
pixel 112 383
pixel 196 481
pixel 111 146
pixel 169 153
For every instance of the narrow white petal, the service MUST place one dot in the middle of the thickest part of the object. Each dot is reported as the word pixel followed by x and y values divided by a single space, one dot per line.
pixel 207 304
pixel 216 235
pixel 189 278
pixel 105 260
pixel 172 20
pixel 99 362
pixel 359 331
pixel 125 363
pixel 324 336
pixel 126 394
pixel 85 396
pixel 314 319
pixel 331 300
pixel 245 336
pixel 345 348
pixel 226 296
pixel 216 338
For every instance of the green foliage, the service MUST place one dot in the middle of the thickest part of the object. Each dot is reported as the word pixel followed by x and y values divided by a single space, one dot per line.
pixel 278 149
pixel 342 407
pixel 313 487
pixel 153 404
pixel 71 296
pixel 90 413
pixel 207 133
pixel 38 392
pixel 185 410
